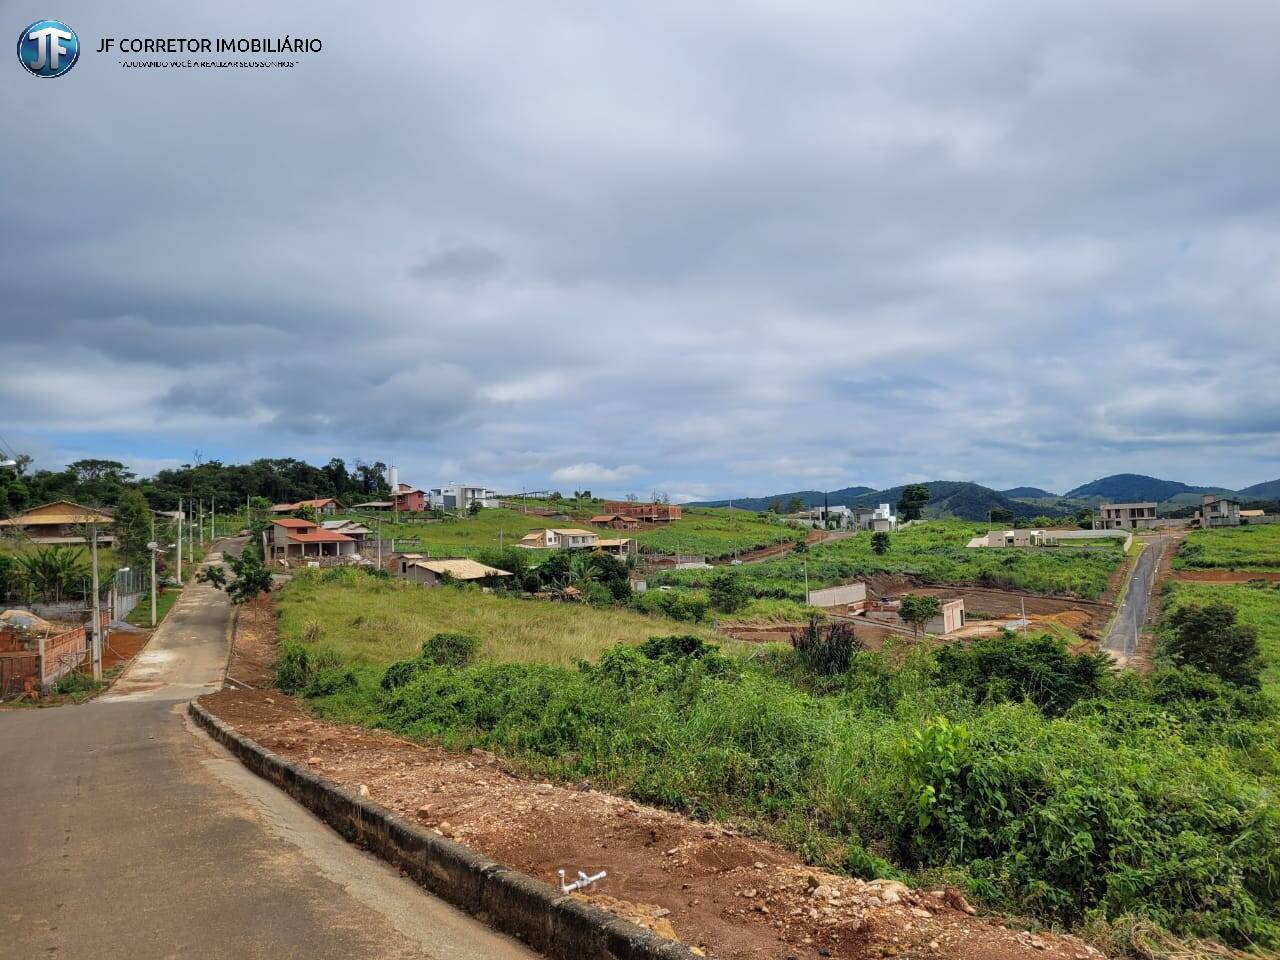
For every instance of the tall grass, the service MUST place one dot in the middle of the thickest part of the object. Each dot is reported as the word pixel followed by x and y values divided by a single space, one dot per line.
pixel 370 620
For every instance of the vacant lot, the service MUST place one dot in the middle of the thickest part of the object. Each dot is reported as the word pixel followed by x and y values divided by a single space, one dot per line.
pixel 932 552
pixel 1231 548
pixel 715 533
pixel 1258 605
pixel 1033 779
pixel 375 621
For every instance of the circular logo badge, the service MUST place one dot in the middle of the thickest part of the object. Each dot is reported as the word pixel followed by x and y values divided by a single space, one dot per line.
pixel 48 48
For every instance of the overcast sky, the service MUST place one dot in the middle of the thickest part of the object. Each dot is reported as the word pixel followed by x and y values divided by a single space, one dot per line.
pixel 712 249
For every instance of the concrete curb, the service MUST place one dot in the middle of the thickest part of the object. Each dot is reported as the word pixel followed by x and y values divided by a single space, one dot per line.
pixel 509 901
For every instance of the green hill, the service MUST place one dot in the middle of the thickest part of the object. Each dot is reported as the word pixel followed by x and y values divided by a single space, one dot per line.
pixel 1269 490
pixel 1029 493
pixel 1129 487
pixel 947 498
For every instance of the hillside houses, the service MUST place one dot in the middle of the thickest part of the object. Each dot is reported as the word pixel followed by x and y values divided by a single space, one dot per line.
pixel 1218 512
pixel 1139 515
pixel 461 496
pixel 60 522
pixel 573 538
pixel 325 506
pixel 295 538
pixel 646 512
pixel 429 572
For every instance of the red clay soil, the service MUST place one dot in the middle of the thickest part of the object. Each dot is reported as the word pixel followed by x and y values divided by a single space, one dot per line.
pixel 1224 576
pixel 721 892
pixel 724 893
pixel 121 646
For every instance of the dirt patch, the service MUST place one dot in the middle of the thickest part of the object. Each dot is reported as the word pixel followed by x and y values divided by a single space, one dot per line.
pixel 253 643
pixel 724 893
pixel 1224 576
pixel 121 646
pixel 708 885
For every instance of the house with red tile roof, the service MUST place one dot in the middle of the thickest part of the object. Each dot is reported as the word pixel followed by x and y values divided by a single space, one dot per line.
pixel 294 538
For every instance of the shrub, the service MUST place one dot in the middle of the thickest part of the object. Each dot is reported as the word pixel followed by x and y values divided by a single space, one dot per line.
pixel 450 649
pixel 726 592
pixel 825 651
pixel 1038 668
pixel 1208 637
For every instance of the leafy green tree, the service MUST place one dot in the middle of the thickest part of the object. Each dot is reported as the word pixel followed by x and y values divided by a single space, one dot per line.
pixel 1001 515
pixel 1208 636
pixel 775 506
pixel 132 527
pixel 911 503
pixel 795 505
pixel 727 592
pixel 917 610
pixel 251 577
pixel 307 512
pixel 1084 519
pixel 474 508
pixel 880 543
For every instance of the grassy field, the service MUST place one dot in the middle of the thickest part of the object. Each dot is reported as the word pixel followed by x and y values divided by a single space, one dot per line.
pixel 1232 548
pixel 373 621
pixel 1038 782
pixel 933 551
pixel 716 533
pixel 1258 605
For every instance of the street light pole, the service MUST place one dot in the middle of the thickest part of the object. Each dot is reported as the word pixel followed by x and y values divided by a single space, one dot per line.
pixel 96 614
pixel 179 541
pixel 151 548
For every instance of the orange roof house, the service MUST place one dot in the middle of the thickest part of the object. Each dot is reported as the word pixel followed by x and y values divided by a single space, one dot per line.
pixel 60 522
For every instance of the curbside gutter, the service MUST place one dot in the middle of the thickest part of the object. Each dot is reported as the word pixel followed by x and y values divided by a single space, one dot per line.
pixel 512 902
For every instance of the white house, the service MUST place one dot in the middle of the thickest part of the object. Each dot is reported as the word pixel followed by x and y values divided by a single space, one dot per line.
pixel 460 496
pixel 567 538
pixel 881 519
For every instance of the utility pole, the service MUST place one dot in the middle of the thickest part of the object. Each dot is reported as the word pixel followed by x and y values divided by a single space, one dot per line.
pixel 213 519
pixel 191 536
pixel 179 541
pixel 152 547
pixel 96 616
pixel 806 583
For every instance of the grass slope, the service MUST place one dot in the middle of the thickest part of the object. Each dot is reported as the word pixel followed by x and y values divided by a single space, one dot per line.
pixel 375 621
pixel 1258 605
pixel 935 552
pixel 1231 548
pixel 713 532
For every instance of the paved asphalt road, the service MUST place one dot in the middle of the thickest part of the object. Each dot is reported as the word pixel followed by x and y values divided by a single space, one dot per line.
pixel 1129 621
pixel 128 833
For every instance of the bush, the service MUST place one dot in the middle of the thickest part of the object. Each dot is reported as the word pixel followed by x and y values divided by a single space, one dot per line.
pixel 450 649
pixel 1013 668
pixel 825 651
pixel 726 592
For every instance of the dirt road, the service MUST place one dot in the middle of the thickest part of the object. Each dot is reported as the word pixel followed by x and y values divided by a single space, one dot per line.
pixel 127 834
pixel 1131 618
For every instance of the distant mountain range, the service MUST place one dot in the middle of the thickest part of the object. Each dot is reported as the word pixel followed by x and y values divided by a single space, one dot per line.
pixel 972 501
pixel 947 498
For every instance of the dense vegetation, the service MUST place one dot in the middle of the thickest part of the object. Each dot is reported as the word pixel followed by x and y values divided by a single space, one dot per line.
pixel 1251 547
pixel 1035 778
pixel 101 482
pixel 1257 605
pixel 935 552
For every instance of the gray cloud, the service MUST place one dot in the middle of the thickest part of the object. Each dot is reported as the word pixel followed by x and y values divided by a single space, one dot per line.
pixel 748 252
